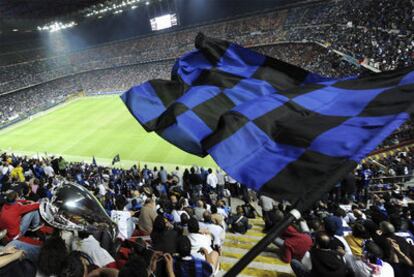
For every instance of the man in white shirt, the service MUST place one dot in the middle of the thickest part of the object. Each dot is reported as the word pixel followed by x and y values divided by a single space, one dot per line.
pixel 102 190
pixel 6 168
pixel 220 183
pixel 48 170
pixel 198 240
pixel 212 179
pixel 220 209
pixel 90 246
pixel 215 230
pixel 179 176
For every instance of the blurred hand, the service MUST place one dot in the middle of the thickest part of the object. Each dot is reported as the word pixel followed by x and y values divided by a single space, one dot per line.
pixel 394 245
pixel 341 251
pixel 169 263
pixel 154 260
pixel 203 251
pixel 204 231
pixel 168 259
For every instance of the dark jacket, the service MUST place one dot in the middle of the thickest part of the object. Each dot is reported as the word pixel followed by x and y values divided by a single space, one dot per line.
pixel 165 241
pixel 327 263
pixel 239 224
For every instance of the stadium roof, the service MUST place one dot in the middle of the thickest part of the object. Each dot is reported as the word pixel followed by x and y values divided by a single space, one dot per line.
pixel 18 17
pixel 42 9
pixel 23 15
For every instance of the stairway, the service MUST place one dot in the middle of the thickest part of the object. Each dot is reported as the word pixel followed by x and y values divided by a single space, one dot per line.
pixel 267 264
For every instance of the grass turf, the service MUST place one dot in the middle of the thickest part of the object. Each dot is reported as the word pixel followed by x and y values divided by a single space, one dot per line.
pixel 94 126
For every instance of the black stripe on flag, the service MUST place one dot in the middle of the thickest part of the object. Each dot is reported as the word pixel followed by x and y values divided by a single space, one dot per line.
pixel 215 77
pixel 297 91
pixel 167 91
pixel 211 110
pixel 376 80
pixel 295 125
pixel 279 74
pixel 228 125
pixel 167 118
pixel 308 178
pixel 213 49
pixel 391 101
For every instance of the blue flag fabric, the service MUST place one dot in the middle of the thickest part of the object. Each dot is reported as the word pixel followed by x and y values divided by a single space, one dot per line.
pixel 273 126
pixel 217 76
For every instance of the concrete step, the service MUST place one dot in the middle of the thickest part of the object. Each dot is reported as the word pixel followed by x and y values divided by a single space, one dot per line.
pixel 267 264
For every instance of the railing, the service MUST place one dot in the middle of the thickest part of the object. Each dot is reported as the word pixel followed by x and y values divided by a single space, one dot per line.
pixel 391 179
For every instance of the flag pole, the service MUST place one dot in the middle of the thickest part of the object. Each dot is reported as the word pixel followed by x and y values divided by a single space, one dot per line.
pixel 263 243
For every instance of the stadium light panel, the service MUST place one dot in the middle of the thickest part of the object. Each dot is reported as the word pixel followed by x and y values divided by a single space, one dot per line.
pixel 163 22
pixel 111 7
pixel 56 26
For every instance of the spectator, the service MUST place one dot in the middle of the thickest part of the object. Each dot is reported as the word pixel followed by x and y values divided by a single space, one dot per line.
pixel 186 263
pixel 212 180
pixel 215 230
pixel 371 263
pixel 163 236
pixel 198 240
pixel 357 238
pixel 87 244
pixel 18 216
pixel 320 260
pixel 147 217
pixel 295 244
pixel 53 254
pixel 239 223
pixel 199 210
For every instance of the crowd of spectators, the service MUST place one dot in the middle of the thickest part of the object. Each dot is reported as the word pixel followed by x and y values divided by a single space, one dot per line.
pixel 173 222
pixel 312 57
pixel 404 134
pixel 34 99
pixel 376 31
pixel 386 169
pixel 123 78
pixel 361 228
pixel 34 72
pixel 27 101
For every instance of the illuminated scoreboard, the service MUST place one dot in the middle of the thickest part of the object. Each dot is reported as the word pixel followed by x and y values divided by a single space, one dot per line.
pixel 163 22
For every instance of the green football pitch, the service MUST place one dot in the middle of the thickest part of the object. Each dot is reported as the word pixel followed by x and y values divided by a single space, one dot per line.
pixel 94 126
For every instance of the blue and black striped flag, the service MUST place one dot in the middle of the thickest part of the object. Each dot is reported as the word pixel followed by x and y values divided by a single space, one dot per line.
pixel 270 125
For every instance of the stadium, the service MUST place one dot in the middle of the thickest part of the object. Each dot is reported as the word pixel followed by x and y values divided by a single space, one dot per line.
pixel 206 138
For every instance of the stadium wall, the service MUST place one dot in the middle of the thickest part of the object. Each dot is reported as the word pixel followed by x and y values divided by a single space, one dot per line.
pixel 28 115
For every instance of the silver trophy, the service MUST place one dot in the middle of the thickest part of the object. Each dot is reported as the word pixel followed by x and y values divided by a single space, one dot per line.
pixel 74 208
